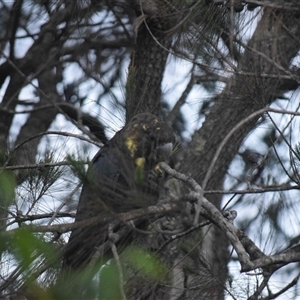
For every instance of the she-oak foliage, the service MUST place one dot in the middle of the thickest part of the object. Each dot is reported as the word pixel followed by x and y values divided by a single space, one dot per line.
pixel 73 72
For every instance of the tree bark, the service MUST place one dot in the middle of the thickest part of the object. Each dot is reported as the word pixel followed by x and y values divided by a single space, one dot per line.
pixel 148 61
pixel 253 87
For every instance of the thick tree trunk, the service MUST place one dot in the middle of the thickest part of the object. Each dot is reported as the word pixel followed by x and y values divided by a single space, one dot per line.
pixel 148 61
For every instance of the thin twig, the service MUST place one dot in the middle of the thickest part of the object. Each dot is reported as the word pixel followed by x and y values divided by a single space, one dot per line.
pixel 266 189
pixel 117 259
pixel 287 287
pixel 37 166
pixel 214 214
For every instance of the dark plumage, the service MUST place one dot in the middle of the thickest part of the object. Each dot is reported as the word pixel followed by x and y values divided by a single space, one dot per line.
pixel 121 178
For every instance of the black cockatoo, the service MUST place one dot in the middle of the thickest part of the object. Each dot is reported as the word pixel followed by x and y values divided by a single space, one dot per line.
pixel 123 176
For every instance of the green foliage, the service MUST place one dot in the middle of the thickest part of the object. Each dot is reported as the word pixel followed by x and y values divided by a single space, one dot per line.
pixel 139 175
pixel 78 167
pixel 91 283
pixel 27 247
pixel 31 254
pixel 7 188
pixel 45 177
pixel 83 284
pixel 144 262
pixel 109 284
pixel 48 175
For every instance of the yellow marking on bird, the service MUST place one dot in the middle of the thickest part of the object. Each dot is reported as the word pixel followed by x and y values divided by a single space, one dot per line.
pixel 140 162
pixel 145 127
pixel 139 171
pixel 131 145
